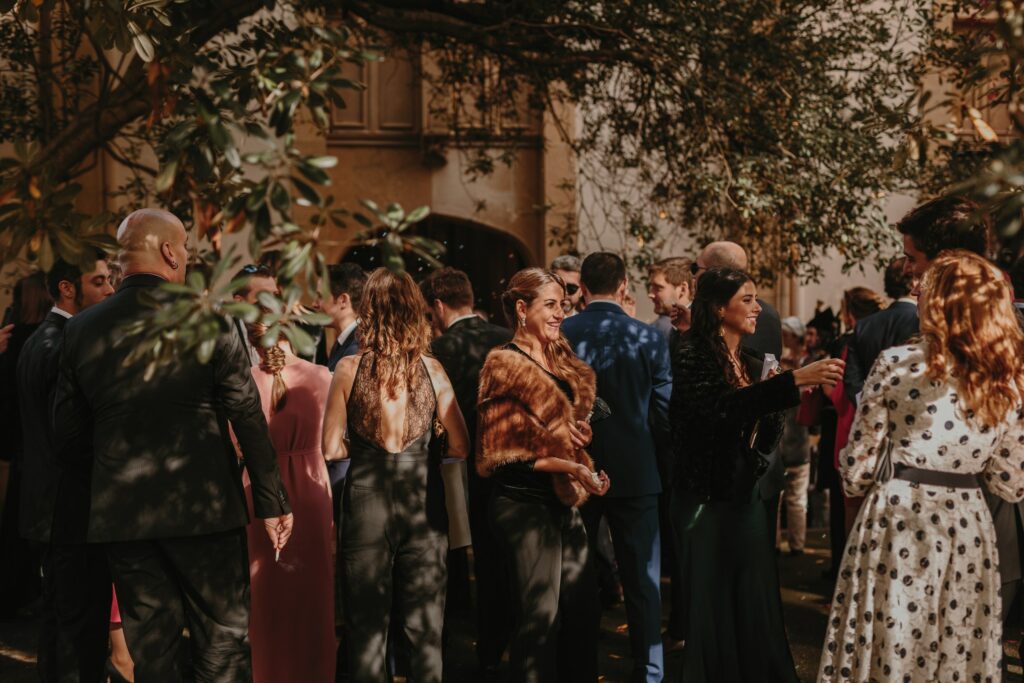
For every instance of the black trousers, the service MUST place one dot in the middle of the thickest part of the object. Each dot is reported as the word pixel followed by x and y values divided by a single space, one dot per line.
pixel 392 560
pixel 198 582
pixel 557 612
pixel 76 613
pixel 493 593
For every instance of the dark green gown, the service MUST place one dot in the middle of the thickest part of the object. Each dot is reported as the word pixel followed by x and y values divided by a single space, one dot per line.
pixel 734 626
pixel 734 610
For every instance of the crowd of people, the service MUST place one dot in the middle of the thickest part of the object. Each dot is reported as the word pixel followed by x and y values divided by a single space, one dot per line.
pixel 269 517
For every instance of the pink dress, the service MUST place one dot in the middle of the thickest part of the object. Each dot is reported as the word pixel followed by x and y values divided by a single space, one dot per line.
pixel 291 628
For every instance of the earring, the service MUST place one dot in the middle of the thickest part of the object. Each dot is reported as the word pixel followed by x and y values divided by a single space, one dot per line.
pixel 174 265
pixel 522 321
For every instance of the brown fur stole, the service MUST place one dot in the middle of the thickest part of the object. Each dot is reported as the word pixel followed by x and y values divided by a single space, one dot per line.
pixel 523 415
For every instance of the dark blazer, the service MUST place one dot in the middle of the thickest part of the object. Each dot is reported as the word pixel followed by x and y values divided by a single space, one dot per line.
pixel 462 350
pixel 890 327
pixel 339 351
pixel 634 377
pixel 37 382
pixel 163 464
pixel 767 337
pixel 337 470
pixel 713 424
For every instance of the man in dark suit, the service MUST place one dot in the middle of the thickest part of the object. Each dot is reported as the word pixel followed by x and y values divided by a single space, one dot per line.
pixel 889 327
pixel 634 376
pixel 462 348
pixel 76 603
pixel 165 495
pixel 346 283
pixel 954 222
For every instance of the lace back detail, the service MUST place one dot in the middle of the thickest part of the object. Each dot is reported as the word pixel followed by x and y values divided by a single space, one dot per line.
pixel 364 404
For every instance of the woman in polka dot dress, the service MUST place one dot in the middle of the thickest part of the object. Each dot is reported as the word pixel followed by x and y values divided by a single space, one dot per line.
pixel 918 591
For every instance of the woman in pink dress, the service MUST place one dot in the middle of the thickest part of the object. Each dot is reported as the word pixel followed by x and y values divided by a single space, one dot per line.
pixel 291 627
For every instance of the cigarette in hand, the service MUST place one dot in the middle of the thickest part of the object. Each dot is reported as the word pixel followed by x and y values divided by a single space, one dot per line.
pixel 277 555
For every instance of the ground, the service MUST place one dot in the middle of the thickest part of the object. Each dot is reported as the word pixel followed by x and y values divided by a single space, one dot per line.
pixel 805 596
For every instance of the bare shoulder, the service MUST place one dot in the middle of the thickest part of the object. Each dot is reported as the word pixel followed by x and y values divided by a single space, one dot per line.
pixel 436 370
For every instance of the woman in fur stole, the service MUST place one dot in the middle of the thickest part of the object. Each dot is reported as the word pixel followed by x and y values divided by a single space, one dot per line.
pixel 535 397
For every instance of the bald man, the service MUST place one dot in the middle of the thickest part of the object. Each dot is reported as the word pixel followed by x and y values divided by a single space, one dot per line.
pixel 151 472
pixel 768 335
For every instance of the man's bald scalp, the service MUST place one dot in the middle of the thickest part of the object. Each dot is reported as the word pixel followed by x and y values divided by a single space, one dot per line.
pixel 724 255
pixel 144 230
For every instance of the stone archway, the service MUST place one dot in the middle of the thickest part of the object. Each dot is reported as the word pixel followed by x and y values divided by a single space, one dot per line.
pixel 487 255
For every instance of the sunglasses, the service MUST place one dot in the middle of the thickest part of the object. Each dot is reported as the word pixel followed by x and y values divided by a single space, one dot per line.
pixel 571 288
pixel 696 268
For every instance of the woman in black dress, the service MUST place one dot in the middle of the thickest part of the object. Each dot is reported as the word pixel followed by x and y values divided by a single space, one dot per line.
pixel 724 420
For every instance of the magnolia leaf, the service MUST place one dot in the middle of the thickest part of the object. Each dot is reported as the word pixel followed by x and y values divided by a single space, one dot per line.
pixel 165 179
pixel 322 162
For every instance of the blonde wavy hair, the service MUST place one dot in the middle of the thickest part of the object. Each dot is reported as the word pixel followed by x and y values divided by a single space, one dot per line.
pixel 525 286
pixel 393 326
pixel 972 333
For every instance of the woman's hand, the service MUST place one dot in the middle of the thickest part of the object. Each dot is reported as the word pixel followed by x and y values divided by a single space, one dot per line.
pixel 581 434
pixel 594 482
pixel 826 373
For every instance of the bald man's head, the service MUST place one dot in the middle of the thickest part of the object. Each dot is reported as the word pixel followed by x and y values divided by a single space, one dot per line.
pixel 153 241
pixel 724 255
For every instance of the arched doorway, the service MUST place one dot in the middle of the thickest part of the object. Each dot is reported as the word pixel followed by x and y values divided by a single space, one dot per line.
pixel 488 256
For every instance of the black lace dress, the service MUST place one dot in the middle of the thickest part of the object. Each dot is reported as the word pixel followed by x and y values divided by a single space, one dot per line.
pixel 394 531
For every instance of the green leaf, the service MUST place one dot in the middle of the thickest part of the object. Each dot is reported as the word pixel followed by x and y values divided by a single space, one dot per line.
pixel 165 179
pixel 322 162
pixel 314 174
pixel 300 340
pixel 279 198
pixel 311 196
pixel 417 214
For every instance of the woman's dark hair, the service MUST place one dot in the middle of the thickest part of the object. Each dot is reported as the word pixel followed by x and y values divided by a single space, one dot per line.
pixel 716 287
pixel 31 300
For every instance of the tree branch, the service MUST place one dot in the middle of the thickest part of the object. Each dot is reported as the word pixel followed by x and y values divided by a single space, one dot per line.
pixel 102 121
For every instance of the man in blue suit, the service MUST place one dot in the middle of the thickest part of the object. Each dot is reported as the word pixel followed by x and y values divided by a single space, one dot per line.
pixel 634 377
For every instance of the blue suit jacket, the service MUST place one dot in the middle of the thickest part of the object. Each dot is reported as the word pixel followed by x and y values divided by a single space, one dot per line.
pixel 337 470
pixel 634 376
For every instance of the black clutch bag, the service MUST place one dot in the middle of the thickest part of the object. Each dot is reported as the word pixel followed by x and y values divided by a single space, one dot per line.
pixel 600 411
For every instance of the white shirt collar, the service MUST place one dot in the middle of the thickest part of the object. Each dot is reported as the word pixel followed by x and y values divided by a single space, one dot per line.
pixel 907 300
pixel 461 318
pixel 347 332
pixel 60 311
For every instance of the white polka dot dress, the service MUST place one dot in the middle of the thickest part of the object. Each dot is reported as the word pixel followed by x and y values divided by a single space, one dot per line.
pixel 918 592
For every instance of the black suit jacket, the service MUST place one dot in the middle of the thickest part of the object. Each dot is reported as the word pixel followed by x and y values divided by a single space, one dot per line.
pixel 337 470
pixel 462 350
pixel 872 335
pixel 163 464
pixel 767 337
pixel 339 351
pixel 37 381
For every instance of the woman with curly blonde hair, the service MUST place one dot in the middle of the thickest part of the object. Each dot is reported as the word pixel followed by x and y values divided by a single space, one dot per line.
pixel 381 413
pixel 918 591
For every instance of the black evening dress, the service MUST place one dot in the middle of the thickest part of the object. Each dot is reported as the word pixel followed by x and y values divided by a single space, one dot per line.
pixel 734 629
